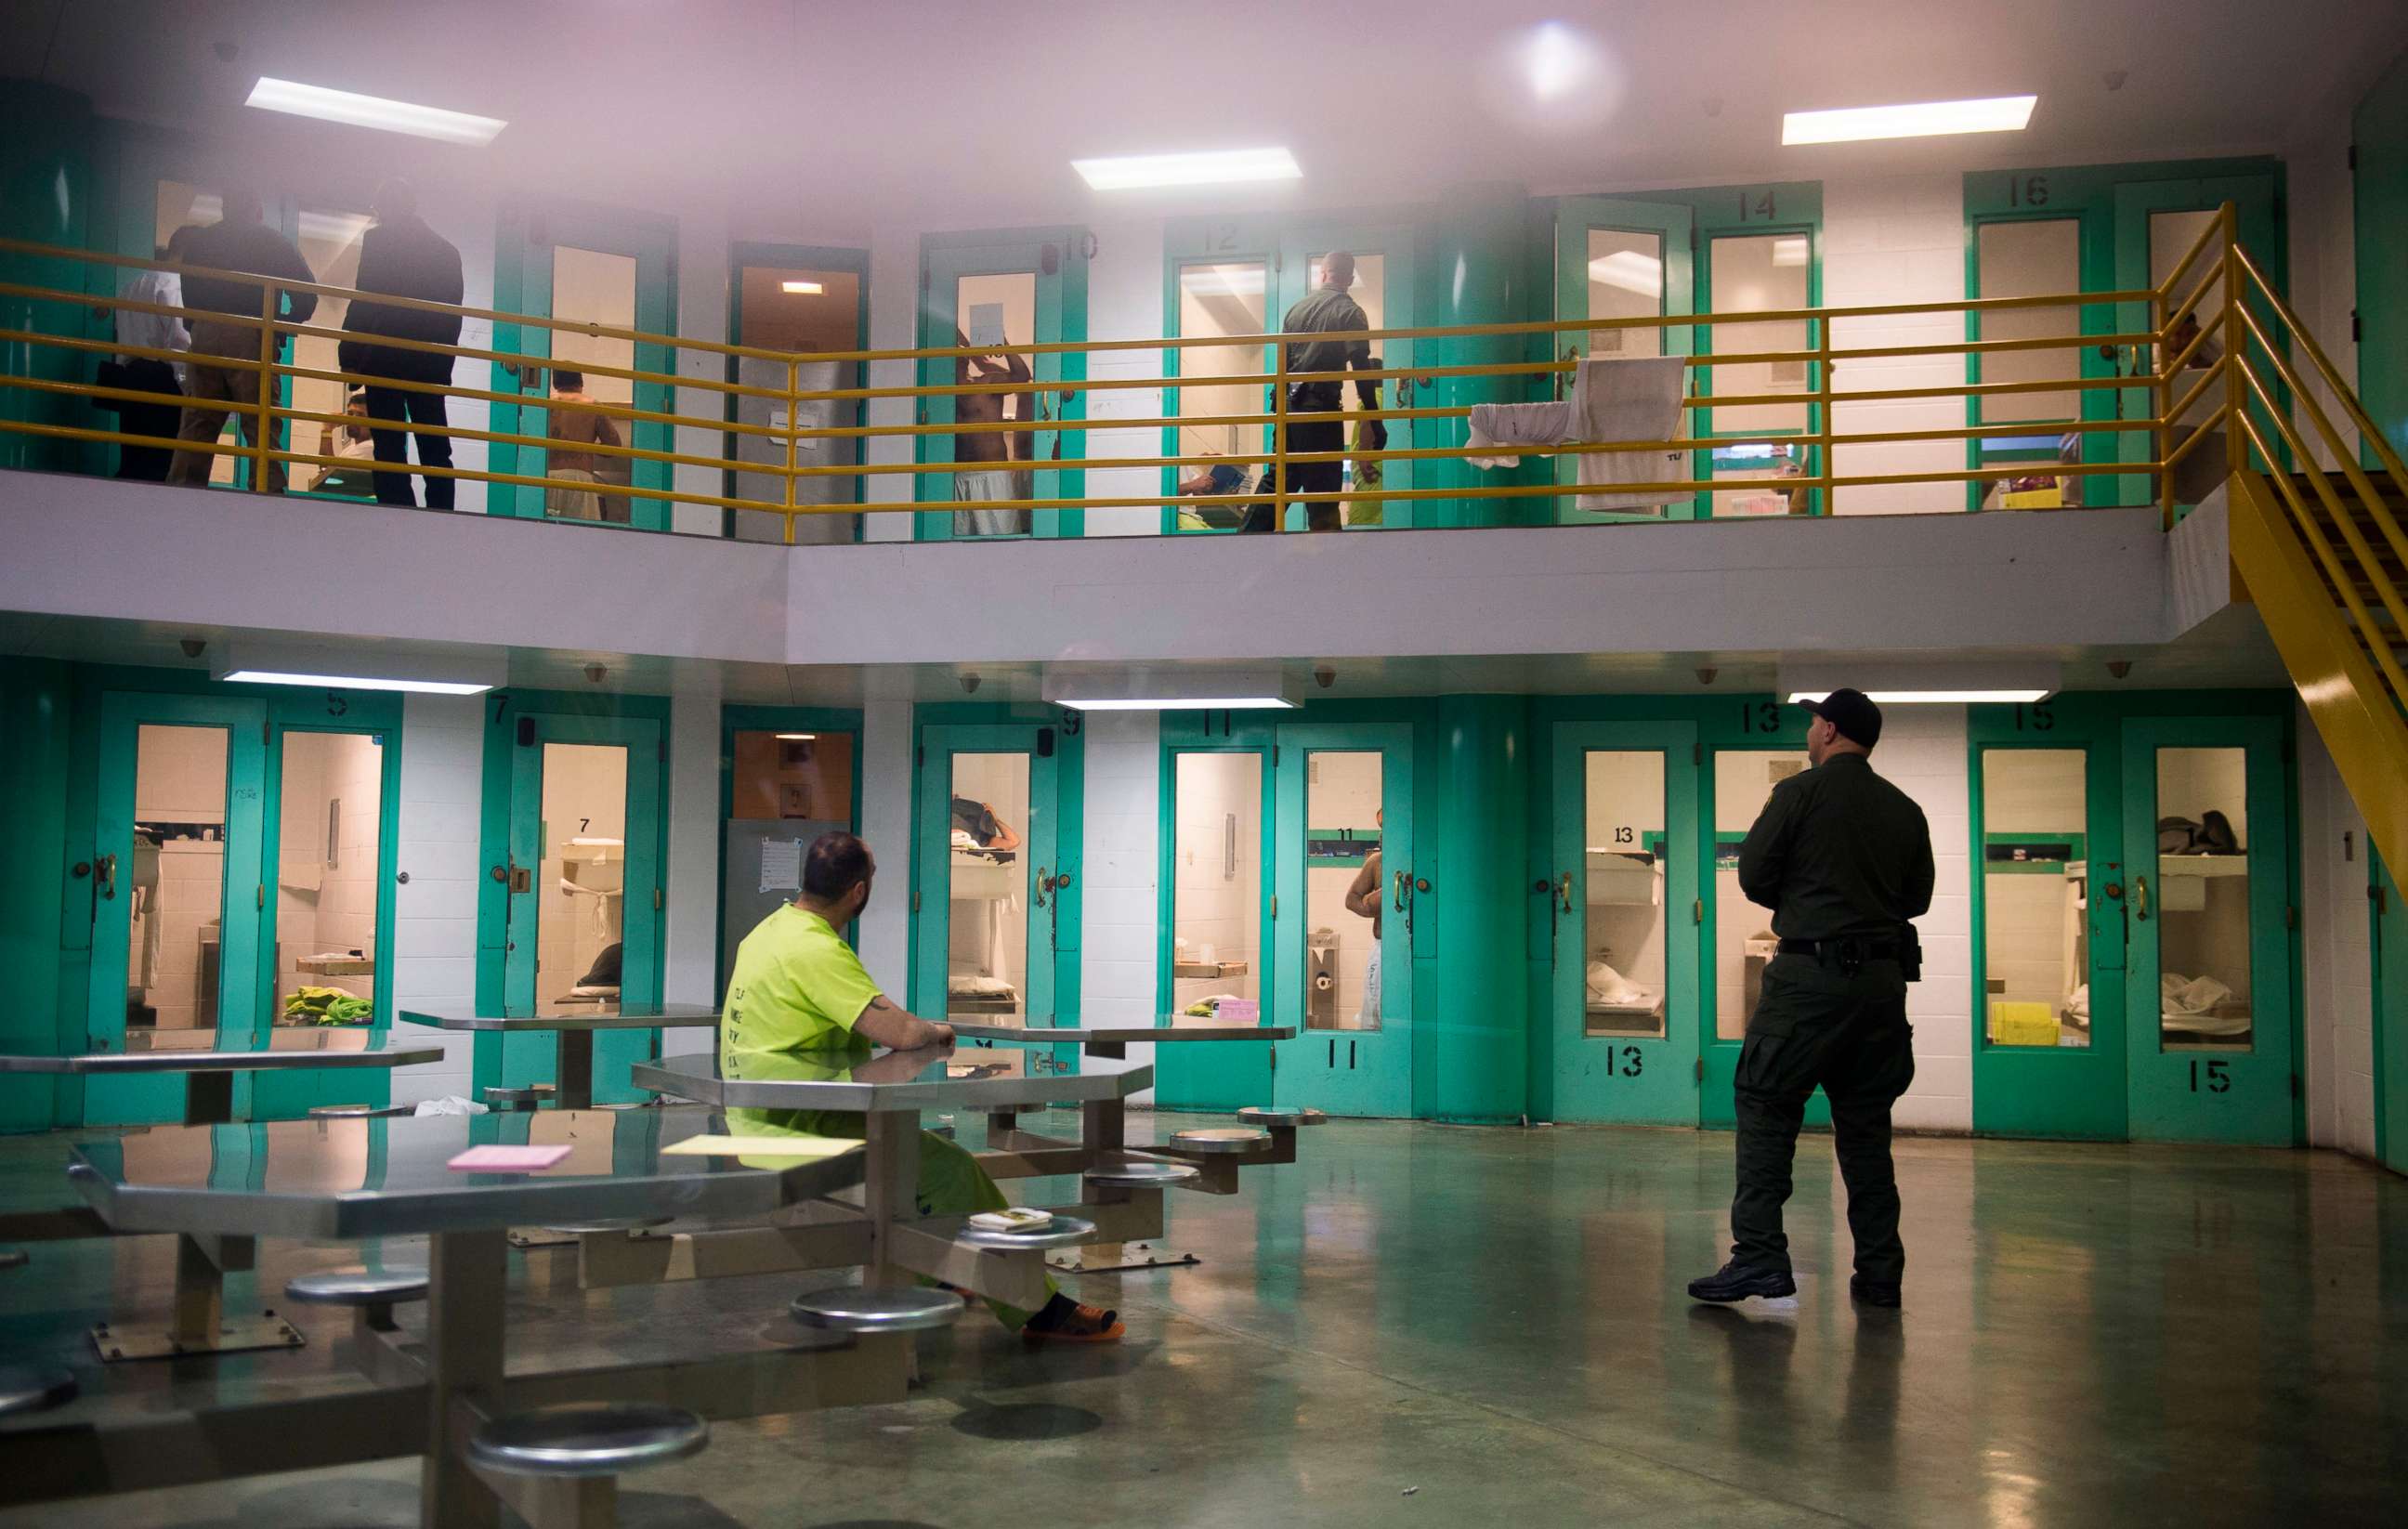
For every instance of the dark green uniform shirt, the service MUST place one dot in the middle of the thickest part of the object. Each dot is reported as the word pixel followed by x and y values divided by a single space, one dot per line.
pixel 1328 310
pixel 1838 853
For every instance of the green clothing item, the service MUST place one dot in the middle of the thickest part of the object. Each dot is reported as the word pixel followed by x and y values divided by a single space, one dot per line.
pixel 796 987
pixel 1839 853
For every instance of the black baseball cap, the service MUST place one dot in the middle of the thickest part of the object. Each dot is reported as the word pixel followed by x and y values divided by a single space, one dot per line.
pixel 1853 712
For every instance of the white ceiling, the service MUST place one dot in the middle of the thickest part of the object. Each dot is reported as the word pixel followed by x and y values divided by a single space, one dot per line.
pixel 965 112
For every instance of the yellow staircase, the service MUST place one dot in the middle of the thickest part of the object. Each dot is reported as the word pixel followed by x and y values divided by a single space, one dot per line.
pixel 2323 553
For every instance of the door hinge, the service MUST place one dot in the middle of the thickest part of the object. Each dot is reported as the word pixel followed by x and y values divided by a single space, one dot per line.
pixel 264 735
pixel 2382 900
pixel 1696 753
pixel 661 747
pixel 1698 911
pixel 1275 908
pixel 660 899
pixel 1701 1069
pixel 1274 1059
pixel 263 897
pixel 920 756
pixel 915 902
pixel 2295 1089
pixel 2290 917
pixel 1275 756
pixel 2357 327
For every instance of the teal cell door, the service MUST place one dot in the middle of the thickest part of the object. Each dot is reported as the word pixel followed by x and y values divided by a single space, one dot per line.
pixel 1384 286
pixel 2208 981
pixel 2052 921
pixel 1343 915
pixel 1620 259
pixel 615 270
pixel 2390 974
pixel 1022 289
pixel 179 887
pixel 2156 223
pixel 1622 938
pixel 581 892
pixel 1737 932
pixel 995 931
pixel 1218 835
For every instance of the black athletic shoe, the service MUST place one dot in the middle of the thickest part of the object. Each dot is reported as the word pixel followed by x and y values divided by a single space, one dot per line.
pixel 1873 1292
pixel 1736 1281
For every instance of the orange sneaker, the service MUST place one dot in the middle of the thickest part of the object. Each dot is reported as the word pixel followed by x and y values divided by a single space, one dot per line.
pixel 1079 1325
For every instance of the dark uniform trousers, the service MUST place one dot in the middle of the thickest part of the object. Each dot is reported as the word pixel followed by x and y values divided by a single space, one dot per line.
pixel 1818 1025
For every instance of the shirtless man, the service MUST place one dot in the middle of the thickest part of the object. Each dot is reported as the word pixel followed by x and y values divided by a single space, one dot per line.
pixel 972 444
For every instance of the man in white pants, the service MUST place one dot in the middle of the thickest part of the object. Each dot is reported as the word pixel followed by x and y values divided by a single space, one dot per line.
pixel 1366 898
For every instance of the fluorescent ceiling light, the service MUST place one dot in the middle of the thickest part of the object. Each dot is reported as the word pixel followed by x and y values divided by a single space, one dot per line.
pixel 1936 697
pixel 796 737
pixel 1250 688
pixel 1184 703
pixel 351 681
pixel 1215 167
pixel 1929 119
pixel 802 288
pixel 328 106
pixel 1630 270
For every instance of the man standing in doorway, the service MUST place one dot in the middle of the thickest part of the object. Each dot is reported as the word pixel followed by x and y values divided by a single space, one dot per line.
pixel 1365 898
pixel 1328 310
pixel 240 240
pixel 402 257
pixel 974 485
pixel 1843 859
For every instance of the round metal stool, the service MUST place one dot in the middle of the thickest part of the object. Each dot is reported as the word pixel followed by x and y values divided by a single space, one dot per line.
pixel 1065 1231
pixel 509 1100
pixel 1140 1173
pixel 896 1309
pixel 359 1112
pixel 28 1388
pixel 374 1293
pixel 1221 1139
pixel 1281 1115
pixel 588 1439
pixel 15 1258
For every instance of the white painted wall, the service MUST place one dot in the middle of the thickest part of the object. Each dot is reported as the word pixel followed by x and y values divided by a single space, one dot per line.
pixel 2336 955
pixel 690 932
pixel 1119 945
pixel 1897 239
pixel 886 782
pixel 1923 752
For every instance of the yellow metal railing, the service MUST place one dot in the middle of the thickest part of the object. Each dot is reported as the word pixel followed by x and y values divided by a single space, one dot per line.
pixel 1821 441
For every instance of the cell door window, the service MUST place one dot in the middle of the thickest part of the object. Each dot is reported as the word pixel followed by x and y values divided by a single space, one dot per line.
pixel 806 310
pixel 2032 258
pixel 175 889
pixel 786 788
pixel 994 309
pixel 589 286
pixel 1626 281
pixel 987 922
pixel 2036 890
pixel 1346 887
pixel 330 243
pixel 330 822
pixel 581 873
pixel 1230 297
pixel 2172 233
pixel 1217 885
pixel 1744 944
pixel 2201 901
pixel 1622 918
pixel 1758 273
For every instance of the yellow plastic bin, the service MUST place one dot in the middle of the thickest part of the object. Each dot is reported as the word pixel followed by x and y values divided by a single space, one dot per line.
pixel 2022 1023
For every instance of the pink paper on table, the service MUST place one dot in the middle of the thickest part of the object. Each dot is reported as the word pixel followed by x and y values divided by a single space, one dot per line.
pixel 506 1159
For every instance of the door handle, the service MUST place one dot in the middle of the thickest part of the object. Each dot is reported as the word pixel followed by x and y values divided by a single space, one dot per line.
pixel 104 875
pixel 1564 891
pixel 1404 884
pixel 522 878
pixel 2140 897
pixel 1044 885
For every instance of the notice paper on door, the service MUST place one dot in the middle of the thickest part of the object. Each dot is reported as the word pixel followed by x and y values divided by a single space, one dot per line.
pixel 782 865
pixel 508 1159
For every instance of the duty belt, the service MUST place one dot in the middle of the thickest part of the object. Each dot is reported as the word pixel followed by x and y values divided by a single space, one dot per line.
pixel 1852 947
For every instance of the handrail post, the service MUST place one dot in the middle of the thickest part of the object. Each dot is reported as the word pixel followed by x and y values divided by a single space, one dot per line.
pixel 2161 395
pixel 1823 405
pixel 2236 453
pixel 1279 437
pixel 262 432
pixel 794 406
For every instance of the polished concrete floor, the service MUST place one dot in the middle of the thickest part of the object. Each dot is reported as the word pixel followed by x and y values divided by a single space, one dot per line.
pixel 1486 1326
